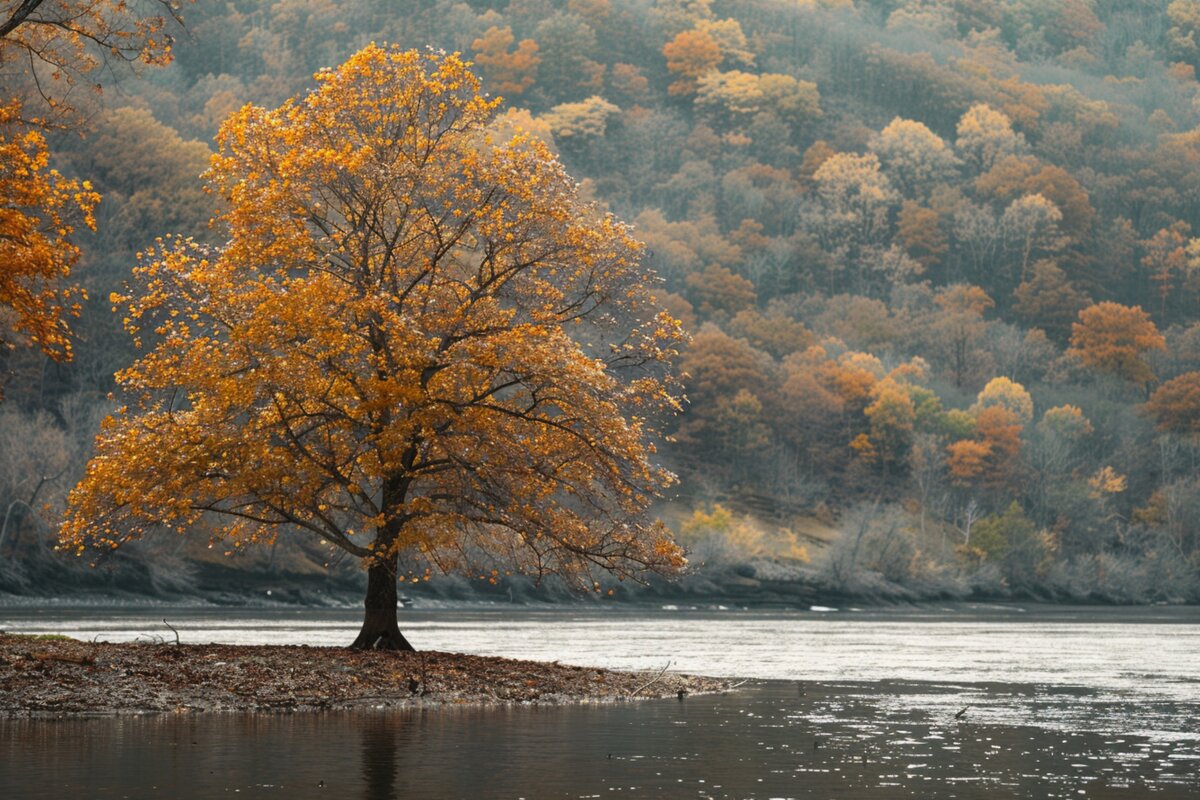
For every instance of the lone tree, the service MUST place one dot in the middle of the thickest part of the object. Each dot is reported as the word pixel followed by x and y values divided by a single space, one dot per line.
pixel 416 341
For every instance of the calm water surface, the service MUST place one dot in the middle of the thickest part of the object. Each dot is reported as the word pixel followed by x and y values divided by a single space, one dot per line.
pixel 845 704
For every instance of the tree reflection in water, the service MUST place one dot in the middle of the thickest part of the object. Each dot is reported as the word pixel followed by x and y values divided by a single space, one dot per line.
pixel 382 737
pixel 851 740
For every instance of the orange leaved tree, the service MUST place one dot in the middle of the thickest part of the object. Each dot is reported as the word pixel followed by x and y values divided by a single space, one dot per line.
pixel 61 39
pixel 38 211
pixel 417 344
pixel 1114 338
pixel 46 46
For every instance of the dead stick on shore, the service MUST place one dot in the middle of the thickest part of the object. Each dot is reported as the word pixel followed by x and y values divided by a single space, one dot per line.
pixel 68 659
pixel 651 682
pixel 172 631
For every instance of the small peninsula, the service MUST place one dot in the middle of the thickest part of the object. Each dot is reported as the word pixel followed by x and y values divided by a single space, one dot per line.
pixel 51 676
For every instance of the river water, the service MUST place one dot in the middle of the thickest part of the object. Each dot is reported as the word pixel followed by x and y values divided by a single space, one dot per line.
pixel 958 702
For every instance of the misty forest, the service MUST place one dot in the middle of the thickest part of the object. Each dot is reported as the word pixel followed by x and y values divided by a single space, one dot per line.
pixel 938 260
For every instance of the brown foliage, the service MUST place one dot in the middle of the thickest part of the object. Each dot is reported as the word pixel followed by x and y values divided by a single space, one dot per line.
pixel 773 332
pixel 1175 406
pixel 1114 338
pixel 691 55
pixel 1015 177
pixel 919 229
pixel 968 460
pixel 507 72
pixel 992 459
pixel 719 292
pixel 1166 260
pixel 717 364
pixel 1048 300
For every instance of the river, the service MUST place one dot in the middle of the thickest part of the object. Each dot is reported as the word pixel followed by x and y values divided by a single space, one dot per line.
pixel 953 702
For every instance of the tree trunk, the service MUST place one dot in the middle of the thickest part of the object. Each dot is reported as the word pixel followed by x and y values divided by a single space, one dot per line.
pixel 380 630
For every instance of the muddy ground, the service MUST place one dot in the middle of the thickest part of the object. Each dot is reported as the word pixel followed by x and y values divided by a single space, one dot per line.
pixel 55 676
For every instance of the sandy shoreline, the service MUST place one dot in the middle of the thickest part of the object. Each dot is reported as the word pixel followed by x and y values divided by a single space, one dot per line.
pixel 65 677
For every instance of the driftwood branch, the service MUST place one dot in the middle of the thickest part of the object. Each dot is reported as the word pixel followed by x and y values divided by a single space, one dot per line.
pixel 651 682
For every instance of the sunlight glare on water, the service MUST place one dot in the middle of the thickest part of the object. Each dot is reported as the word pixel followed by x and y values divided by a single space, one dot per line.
pixel 1154 651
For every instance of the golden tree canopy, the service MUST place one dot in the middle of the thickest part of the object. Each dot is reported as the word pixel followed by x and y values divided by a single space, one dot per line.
pixel 691 55
pixel 1007 393
pixel 38 210
pixel 45 46
pixel 416 340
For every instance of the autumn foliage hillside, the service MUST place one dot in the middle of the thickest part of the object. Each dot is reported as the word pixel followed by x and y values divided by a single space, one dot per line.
pixel 940 260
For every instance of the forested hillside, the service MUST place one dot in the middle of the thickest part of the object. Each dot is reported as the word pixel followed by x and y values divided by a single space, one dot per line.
pixel 936 256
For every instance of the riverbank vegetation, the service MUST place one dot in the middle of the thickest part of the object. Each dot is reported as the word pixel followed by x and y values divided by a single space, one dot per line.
pixel 939 260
